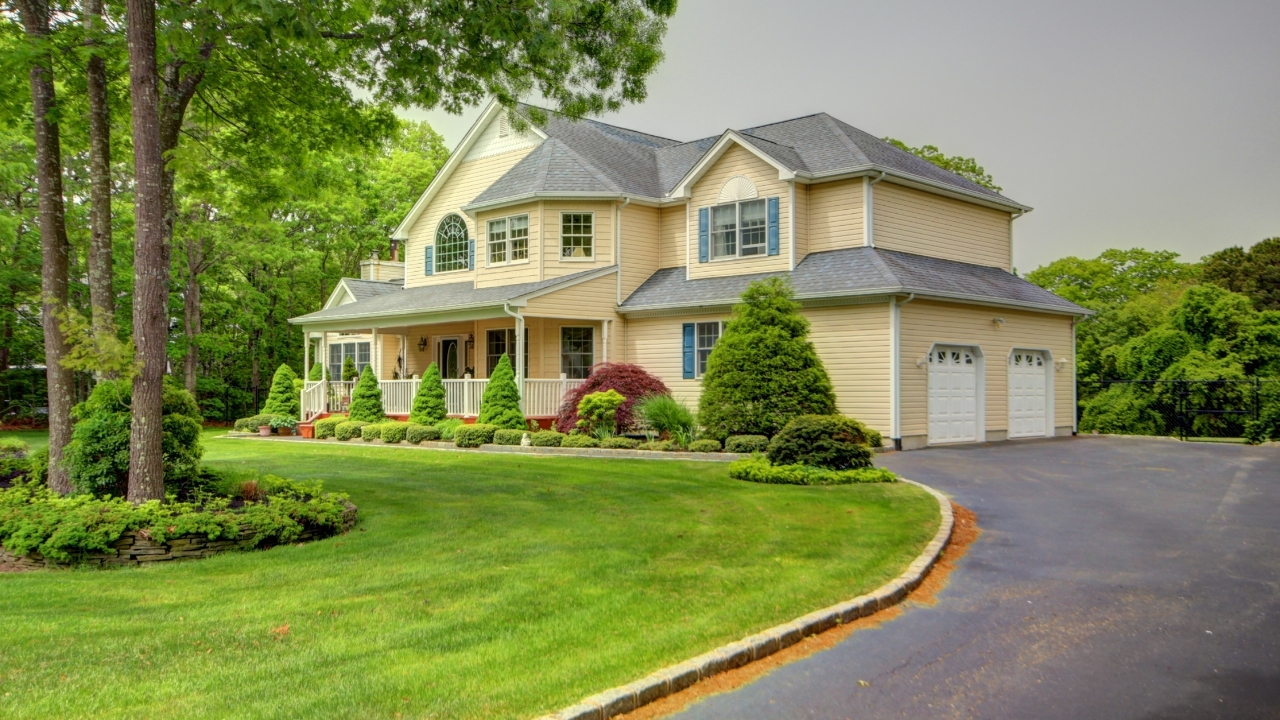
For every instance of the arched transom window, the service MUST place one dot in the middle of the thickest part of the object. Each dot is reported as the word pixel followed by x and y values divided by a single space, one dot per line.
pixel 451 244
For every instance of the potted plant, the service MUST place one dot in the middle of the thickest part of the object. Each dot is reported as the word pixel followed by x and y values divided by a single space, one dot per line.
pixel 264 430
pixel 282 424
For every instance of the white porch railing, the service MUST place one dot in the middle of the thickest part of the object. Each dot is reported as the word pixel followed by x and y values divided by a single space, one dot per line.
pixel 541 397
pixel 313 400
pixel 340 395
pixel 397 395
pixel 462 397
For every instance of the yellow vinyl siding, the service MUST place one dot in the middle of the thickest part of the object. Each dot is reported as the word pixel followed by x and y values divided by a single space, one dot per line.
pixel 924 323
pixel 853 343
pixel 512 273
pixel 835 217
pixel 639 246
pixel 802 222
pixel 593 299
pixel 706 192
pixel 468 180
pixel 601 242
pixel 657 345
pixel 917 222
pixel 673 236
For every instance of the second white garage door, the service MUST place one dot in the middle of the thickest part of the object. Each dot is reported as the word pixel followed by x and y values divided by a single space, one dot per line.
pixel 953 395
pixel 1028 394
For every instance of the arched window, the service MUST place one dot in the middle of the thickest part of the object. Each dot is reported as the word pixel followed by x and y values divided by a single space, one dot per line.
pixel 451 244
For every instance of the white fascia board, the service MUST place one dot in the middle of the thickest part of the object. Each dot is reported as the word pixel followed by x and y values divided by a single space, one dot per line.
pixel 530 197
pixel 455 159
pixel 709 158
pixel 374 322
pixel 919 183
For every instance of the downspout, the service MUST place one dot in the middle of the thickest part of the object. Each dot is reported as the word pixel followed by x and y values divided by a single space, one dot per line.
pixel 791 212
pixel 868 213
pixel 1012 217
pixel 1075 392
pixel 895 368
pixel 617 241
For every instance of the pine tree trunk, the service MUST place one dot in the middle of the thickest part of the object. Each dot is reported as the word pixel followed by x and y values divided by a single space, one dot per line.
pixel 55 250
pixel 101 294
pixel 150 257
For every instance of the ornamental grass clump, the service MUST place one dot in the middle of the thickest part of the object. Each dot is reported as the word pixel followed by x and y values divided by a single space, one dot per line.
pixel 283 398
pixel 500 406
pixel 665 415
pixel 429 405
pixel 366 399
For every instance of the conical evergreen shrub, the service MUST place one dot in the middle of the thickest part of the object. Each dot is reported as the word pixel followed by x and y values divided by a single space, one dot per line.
pixel 348 369
pixel 317 372
pixel 429 404
pixel 283 399
pixel 501 404
pixel 366 400
pixel 763 371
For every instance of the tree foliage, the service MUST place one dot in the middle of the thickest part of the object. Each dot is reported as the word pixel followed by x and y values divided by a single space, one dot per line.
pixel 429 405
pixel 965 167
pixel 366 399
pixel 632 381
pixel 1254 273
pixel 500 406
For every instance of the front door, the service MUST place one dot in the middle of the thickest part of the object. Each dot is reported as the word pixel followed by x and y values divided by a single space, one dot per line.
pixel 450 363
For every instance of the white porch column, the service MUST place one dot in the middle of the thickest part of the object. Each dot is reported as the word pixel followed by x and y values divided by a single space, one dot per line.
pixel 604 332
pixel 306 355
pixel 520 368
pixel 373 355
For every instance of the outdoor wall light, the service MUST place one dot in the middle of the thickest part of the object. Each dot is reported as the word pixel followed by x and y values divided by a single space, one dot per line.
pixel 998 322
pixel 422 344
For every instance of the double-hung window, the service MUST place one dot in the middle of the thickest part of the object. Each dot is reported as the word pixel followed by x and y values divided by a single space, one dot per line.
pixel 577 351
pixel 739 229
pixel 508 240
pixel 339 352
pixel 503 342
pixel 576 235
pixel 707 334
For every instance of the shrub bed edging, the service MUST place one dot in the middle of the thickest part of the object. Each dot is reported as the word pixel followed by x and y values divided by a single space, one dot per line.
pixel 675 678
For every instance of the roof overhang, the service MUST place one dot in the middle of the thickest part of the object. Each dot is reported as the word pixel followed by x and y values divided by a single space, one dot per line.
pixel 684 188
pixel 858 297
pixel 535 196
pixel 917 182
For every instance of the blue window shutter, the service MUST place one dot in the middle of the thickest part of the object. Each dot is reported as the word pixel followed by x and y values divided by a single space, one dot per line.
pixel 773 226
pixel 689 357
pixel 471 254
pixel 704 248
pixel 428 264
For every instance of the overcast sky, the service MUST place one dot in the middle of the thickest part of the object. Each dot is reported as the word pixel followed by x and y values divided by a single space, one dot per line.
pixel 1124 124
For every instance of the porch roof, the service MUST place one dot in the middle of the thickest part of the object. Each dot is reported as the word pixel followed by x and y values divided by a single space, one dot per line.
pixel 448 297
pixel 853 272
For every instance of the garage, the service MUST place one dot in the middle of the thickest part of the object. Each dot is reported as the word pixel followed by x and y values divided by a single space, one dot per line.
pixel 953 395
pixel 1028 394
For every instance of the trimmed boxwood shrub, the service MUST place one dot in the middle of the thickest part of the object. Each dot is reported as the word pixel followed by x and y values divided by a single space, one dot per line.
pixel 473 436
pixel 759 470
pixel 705 445
pixel 746 444
pixel 251 424
pixel 366 399
pixel 547 438
pixel 348 429
pixel 620 443
pixel 419 433
pixel 500 406
pixel 833 442
pixel 371 432
pixel 325 428
pixel 429 403
pixel 578 440
pixel 657 446
pixel 507 436
pixel 632 381
pixel 394 431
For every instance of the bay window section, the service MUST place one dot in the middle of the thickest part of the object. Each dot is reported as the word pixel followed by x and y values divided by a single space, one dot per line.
pixel 519 238
pixel 508 240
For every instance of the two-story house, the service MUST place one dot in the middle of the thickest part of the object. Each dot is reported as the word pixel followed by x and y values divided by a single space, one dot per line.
pixel 572 243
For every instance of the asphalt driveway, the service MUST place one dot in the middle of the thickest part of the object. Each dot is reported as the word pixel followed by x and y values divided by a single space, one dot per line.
pixel 1114 578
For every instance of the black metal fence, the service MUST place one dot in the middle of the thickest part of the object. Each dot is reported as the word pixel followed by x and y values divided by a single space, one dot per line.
pixel 1186 409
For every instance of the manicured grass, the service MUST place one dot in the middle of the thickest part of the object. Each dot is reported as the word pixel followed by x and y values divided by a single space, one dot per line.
pixel 475 586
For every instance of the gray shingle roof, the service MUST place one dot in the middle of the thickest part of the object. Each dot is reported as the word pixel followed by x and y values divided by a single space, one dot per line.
pixel 856 271
pixel 365 289
pixel 437 298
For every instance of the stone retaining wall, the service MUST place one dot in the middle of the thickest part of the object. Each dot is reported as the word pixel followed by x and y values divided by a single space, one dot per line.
pixel 135 548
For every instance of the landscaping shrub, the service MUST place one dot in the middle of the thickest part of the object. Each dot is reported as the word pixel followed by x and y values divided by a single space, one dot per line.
pixel 317 372
pixel 283 421
pixel 348 429
pixel 366 399
pixel 665 414
pixel 746 444
pixel 500 406
pixel 833 442
pixel 597 412
pixel 507 436
pixel 547 438
pixel 283 398
pixel 14 460
pixel 97 458
pixel 448 427
pixel 371 432
pixel 578 440
pixel 349 369
pixel 759 470
pixel 419 433
pixel 429 403
pixel 631 381
pixel 473 436
pixel 763 371
pixel 705 445
pixel 251 424
pixel 619 443
pixel 657 446
pixel 394 431
pixel 324 428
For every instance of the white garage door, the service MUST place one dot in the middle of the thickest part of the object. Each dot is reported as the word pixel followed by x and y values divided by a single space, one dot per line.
pixel 953 395
pixel 1028 394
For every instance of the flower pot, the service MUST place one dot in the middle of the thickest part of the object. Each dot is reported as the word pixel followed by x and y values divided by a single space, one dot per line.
pixel 307 431
pixel 264 430
pixel 284 431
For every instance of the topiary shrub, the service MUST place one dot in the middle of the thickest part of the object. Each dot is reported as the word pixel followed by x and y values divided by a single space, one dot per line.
pixel 366 399
pixel 705 445
pixel 547 438
pixel 371 432
pixel 324 428
pixel 631 381
pixel 656 446
pixel 507 436
pixel 500 406
pixel 348 429
pixel 97 458
pixel 349 369
pixel 283 398
pixel 420 433
pixel 620 443
pixel 473 436
pixel 759 470
pixel 578 440
pixel 763 371
pixel 833 442
pixel 597 412
pixel 448 427
pixel 394 431
pixel 746 444
pixel 429 405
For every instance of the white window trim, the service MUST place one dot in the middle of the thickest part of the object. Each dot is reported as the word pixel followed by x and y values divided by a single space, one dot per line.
pixel 737 231
pixel 698 373
pixel 435 257
pixel 560 250
pixel 488 262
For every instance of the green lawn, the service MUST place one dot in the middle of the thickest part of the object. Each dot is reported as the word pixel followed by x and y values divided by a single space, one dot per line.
pixel 475 586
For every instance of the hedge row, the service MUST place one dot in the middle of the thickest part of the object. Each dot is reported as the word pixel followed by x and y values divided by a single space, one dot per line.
pixel 759 470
